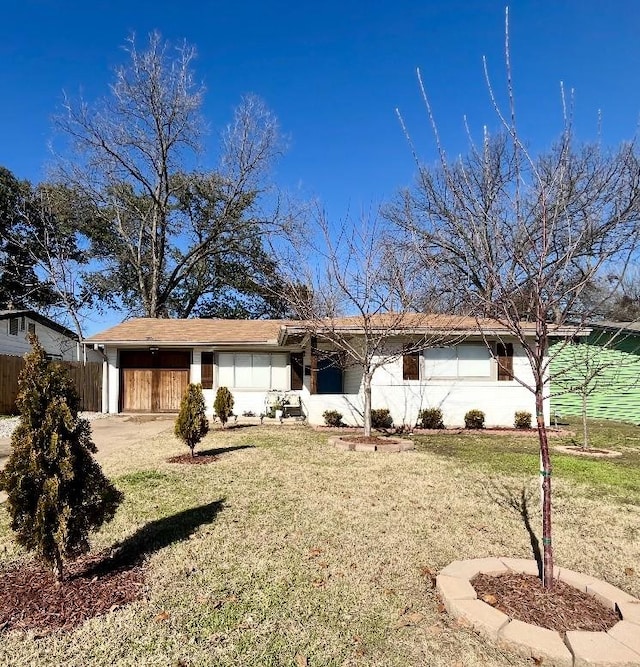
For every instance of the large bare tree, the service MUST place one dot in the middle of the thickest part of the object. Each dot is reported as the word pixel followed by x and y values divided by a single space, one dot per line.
pixel 163 232
pixel 521 236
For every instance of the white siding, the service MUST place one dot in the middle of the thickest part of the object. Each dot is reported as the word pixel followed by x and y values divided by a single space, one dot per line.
pixel 454 396
pixel 54 343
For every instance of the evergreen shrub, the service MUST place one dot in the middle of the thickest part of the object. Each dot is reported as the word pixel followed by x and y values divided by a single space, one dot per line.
pixel 474 419
pixel 522 419
pixel 56 490
pixel 430 418
pixel 381 418
pixel 223 405
pixel 192 423
pixel 332 418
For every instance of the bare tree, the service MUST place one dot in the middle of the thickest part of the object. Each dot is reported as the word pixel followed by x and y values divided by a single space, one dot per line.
pixel 522 236
pixel 162 231
pixel 607 361
pixel 356 295
pixel 49 235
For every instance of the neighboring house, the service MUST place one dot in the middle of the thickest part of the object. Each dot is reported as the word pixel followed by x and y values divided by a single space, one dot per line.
pixel 604 367
pixel 151 361
pixel 58 342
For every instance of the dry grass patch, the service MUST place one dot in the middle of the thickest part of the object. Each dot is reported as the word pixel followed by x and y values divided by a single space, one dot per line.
pixel 317 553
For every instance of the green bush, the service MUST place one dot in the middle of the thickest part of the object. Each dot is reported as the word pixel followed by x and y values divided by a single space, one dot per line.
pixel 474 419
pixel 192 423
pixel 332 418
pixel 381 418
pixel 430 418
pixel 522 419
pixel 56 491
pixel 223 405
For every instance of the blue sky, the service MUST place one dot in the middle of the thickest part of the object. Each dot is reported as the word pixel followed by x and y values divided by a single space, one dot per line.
pixel 333 72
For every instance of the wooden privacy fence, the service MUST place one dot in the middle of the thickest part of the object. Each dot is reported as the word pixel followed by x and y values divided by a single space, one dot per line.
pixel 87 379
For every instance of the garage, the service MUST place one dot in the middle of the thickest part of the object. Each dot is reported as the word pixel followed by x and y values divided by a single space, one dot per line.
pixel 153 380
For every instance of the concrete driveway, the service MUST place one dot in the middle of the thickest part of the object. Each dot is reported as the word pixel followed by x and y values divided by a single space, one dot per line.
pixel 114 432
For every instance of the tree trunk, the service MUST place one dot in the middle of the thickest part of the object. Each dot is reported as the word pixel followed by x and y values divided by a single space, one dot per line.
pixel 585 428
pixel 367 404
pixel 58 566
pixel 545 472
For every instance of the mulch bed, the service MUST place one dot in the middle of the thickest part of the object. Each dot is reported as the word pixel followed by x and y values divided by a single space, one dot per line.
pixel 198 459
pixel 522 597
pixel 31 599
pixel 371 440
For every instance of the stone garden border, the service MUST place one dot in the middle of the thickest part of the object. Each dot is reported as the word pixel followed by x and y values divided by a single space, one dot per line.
pixel 347 443
pixel 618 646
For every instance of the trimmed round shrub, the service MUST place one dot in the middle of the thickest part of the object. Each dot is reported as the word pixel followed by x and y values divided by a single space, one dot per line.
pixel 474 419
pixel 430 418
pixel 522 419
pixel 381 418
pixel 332 418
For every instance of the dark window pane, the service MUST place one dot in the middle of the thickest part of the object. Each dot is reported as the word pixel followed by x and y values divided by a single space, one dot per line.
pixel 330 375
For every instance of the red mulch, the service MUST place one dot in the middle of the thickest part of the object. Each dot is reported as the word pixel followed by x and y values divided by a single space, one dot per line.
pixel 198 459
pixel 31 599
pixel 522 596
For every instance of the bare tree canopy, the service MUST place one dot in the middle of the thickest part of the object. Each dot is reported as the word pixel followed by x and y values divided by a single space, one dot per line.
pixel 20 284
pixel 167 237
pixel 356 295
pixel 521 237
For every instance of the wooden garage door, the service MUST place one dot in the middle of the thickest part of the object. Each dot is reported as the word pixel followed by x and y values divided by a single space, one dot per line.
pixel 153 382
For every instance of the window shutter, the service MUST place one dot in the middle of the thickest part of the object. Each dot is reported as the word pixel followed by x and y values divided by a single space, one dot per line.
pixel 13 326
pixel 504 357
pixel 297 370
pixel 207 370
pixel 411 366
pixel 32 327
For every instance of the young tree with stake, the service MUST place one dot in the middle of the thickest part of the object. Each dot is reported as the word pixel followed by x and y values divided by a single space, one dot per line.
pixel 521 237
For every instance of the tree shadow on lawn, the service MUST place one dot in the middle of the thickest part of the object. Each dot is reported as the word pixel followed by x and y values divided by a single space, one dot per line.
pixel 152 537
pixel 216 451
pixel 519 502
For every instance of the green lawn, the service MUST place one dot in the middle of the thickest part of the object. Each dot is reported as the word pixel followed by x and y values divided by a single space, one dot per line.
pixel 288 552
pixel 518 454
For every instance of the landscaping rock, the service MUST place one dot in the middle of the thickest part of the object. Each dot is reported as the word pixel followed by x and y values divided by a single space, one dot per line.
pixel 532 641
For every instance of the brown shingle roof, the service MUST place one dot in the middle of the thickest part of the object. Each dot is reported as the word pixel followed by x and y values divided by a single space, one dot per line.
pixel 149 331
pixel 191 331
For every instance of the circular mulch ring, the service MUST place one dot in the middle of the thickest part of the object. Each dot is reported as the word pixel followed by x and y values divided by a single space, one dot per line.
pixel 492 596
pixel 197 459
pixel 594 453
pixel 361 443
pixel 31 598
pixel 523 597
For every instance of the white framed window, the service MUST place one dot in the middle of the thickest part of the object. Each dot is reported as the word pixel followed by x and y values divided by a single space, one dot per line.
pixel 472 360
pixel 246 370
